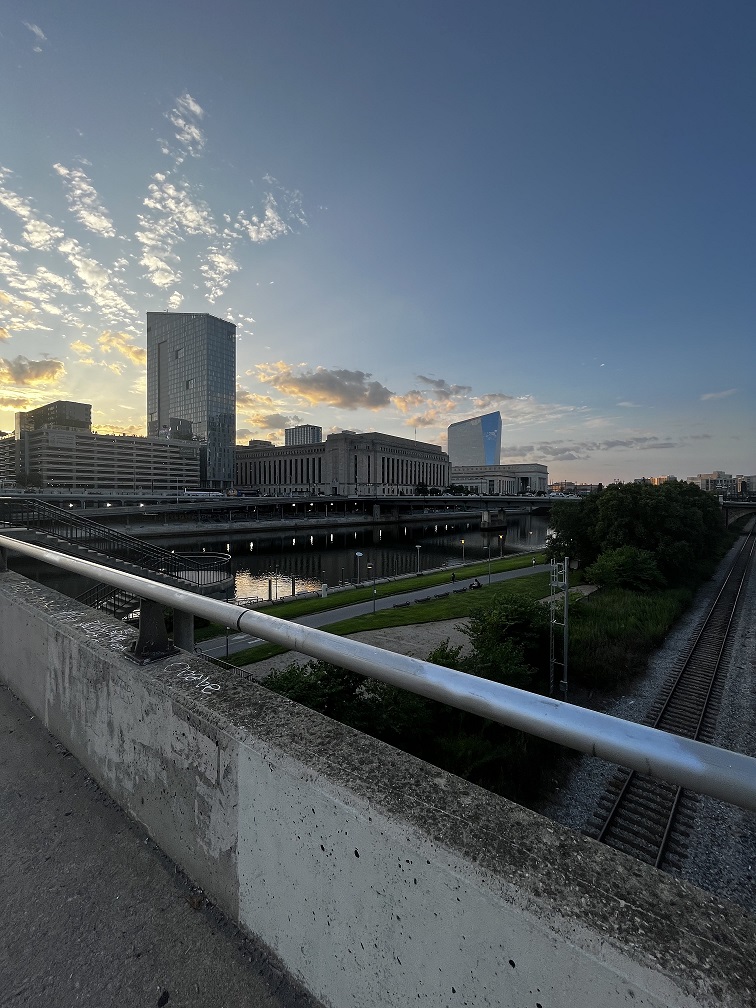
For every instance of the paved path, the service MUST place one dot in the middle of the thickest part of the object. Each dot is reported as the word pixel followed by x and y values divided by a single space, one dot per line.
pixel 216 647
pixel 93 914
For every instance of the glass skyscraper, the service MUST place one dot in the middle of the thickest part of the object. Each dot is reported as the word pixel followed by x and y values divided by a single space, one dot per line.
pixel 191 378
pixel 476 442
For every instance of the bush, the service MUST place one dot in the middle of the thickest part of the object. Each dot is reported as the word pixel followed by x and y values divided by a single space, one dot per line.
pixel 627 567
pixel 510 641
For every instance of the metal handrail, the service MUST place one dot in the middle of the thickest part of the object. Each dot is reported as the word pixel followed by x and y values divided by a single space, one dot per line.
pixel 697 766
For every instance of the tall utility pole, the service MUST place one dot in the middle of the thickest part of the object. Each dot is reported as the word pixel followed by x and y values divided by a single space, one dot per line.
pixel 559 581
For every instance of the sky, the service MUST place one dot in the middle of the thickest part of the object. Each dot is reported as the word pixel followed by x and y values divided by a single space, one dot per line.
pixel 415 211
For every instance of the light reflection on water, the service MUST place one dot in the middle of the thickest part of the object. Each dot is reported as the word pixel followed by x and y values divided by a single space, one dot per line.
pixel 280 568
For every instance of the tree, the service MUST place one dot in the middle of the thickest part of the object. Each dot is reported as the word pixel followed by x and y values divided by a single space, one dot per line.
pixel 677 522
pixel 373 707
pixel 626 567
pixel 509 641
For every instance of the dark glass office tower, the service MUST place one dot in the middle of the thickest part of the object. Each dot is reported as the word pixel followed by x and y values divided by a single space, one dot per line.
pixel 191 377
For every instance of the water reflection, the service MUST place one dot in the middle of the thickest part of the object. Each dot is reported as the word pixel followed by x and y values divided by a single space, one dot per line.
pixel 271 568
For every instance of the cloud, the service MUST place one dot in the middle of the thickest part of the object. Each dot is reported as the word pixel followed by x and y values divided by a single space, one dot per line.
pixel 570 451
pixel 84 202
pixel 38 34
pixel 121 343
pixel 97 282
pixel 41 235
pixel 37 233
pixel 332 387
pixel 630 405
pixel 718 395
pixel 280 215
pixel 15 402
pixel 79 347
pixel 174 212
pixel 442 389
pixel 185 118
pixel 217 269
pixel 4 334
pixel 24 372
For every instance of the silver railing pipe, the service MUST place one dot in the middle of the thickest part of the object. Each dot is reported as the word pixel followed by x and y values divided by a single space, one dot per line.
pixel 706 769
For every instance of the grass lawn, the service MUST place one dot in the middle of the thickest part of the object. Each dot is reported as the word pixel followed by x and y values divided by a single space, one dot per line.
pixel 452 607
pixel 383 589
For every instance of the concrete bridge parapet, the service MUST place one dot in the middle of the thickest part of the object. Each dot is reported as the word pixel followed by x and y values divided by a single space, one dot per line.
pixel 377 879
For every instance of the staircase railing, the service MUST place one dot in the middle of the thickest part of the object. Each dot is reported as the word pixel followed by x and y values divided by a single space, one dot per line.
pixel 199 569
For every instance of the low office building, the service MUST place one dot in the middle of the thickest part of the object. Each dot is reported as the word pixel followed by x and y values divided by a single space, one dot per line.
pixel 344 465
pixel 82 460
pixel 520 478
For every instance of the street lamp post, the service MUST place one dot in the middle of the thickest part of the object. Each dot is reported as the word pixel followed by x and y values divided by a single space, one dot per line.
pixel 489 562
pixel 371 570
pixel 463 549
pixel 501 546
pixel 418 548
pixel 358 555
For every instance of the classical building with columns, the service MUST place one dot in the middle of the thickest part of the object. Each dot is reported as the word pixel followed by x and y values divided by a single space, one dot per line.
pixel 344 465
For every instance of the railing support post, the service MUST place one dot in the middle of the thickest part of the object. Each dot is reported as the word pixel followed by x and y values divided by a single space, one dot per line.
pixel 152 643
pixel 183 629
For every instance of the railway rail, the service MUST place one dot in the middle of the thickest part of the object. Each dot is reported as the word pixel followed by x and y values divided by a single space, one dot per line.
pixel 642 816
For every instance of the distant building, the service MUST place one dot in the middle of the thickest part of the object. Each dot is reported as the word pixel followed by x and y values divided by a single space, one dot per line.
pixel 255 443
pixel 304 434
pixel 64 457
pixel 520 478
pixel 191 377
pixel 61 415
pixel 714 482
pixel 344 465
pixel 476 442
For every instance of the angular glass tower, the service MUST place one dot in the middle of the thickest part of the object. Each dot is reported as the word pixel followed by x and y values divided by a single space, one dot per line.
pixel 191 377
pixel 476 442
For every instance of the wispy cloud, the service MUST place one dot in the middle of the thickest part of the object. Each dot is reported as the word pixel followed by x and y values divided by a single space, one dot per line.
pixel 39 35
pixel 98 283
pixel 84 201
pixel 718 395
pixel 185 118
pixel 123 344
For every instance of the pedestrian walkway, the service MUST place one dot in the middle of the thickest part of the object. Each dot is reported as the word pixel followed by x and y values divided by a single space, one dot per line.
pixel 93 912
pixel 220 647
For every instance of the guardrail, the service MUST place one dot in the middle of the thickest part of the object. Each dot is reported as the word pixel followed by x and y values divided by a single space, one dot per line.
pixel 707 769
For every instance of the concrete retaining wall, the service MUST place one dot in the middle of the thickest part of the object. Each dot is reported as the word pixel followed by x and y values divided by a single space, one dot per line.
pixel 377 879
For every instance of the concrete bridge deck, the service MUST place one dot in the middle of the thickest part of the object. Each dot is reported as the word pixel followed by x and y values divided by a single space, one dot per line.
pixel 93 911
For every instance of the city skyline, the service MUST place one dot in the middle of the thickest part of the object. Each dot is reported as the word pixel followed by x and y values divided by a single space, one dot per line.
pixel 413 213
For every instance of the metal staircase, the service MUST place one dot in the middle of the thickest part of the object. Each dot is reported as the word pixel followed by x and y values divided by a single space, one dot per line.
pixel 47 525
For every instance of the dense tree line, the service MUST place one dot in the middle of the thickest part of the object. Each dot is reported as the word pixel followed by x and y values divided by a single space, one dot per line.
pixel 640 536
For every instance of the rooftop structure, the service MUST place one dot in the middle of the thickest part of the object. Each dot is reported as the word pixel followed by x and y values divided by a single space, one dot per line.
pixel 303 434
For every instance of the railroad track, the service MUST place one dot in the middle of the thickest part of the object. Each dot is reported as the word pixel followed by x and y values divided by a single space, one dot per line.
pixel 648 818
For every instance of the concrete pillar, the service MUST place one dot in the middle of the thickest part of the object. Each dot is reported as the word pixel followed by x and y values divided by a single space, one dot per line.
pixel 183 630
pixel 152 643
pixel 3 559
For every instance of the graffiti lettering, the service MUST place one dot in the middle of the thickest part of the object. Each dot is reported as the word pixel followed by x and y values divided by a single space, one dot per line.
pixel 198 680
